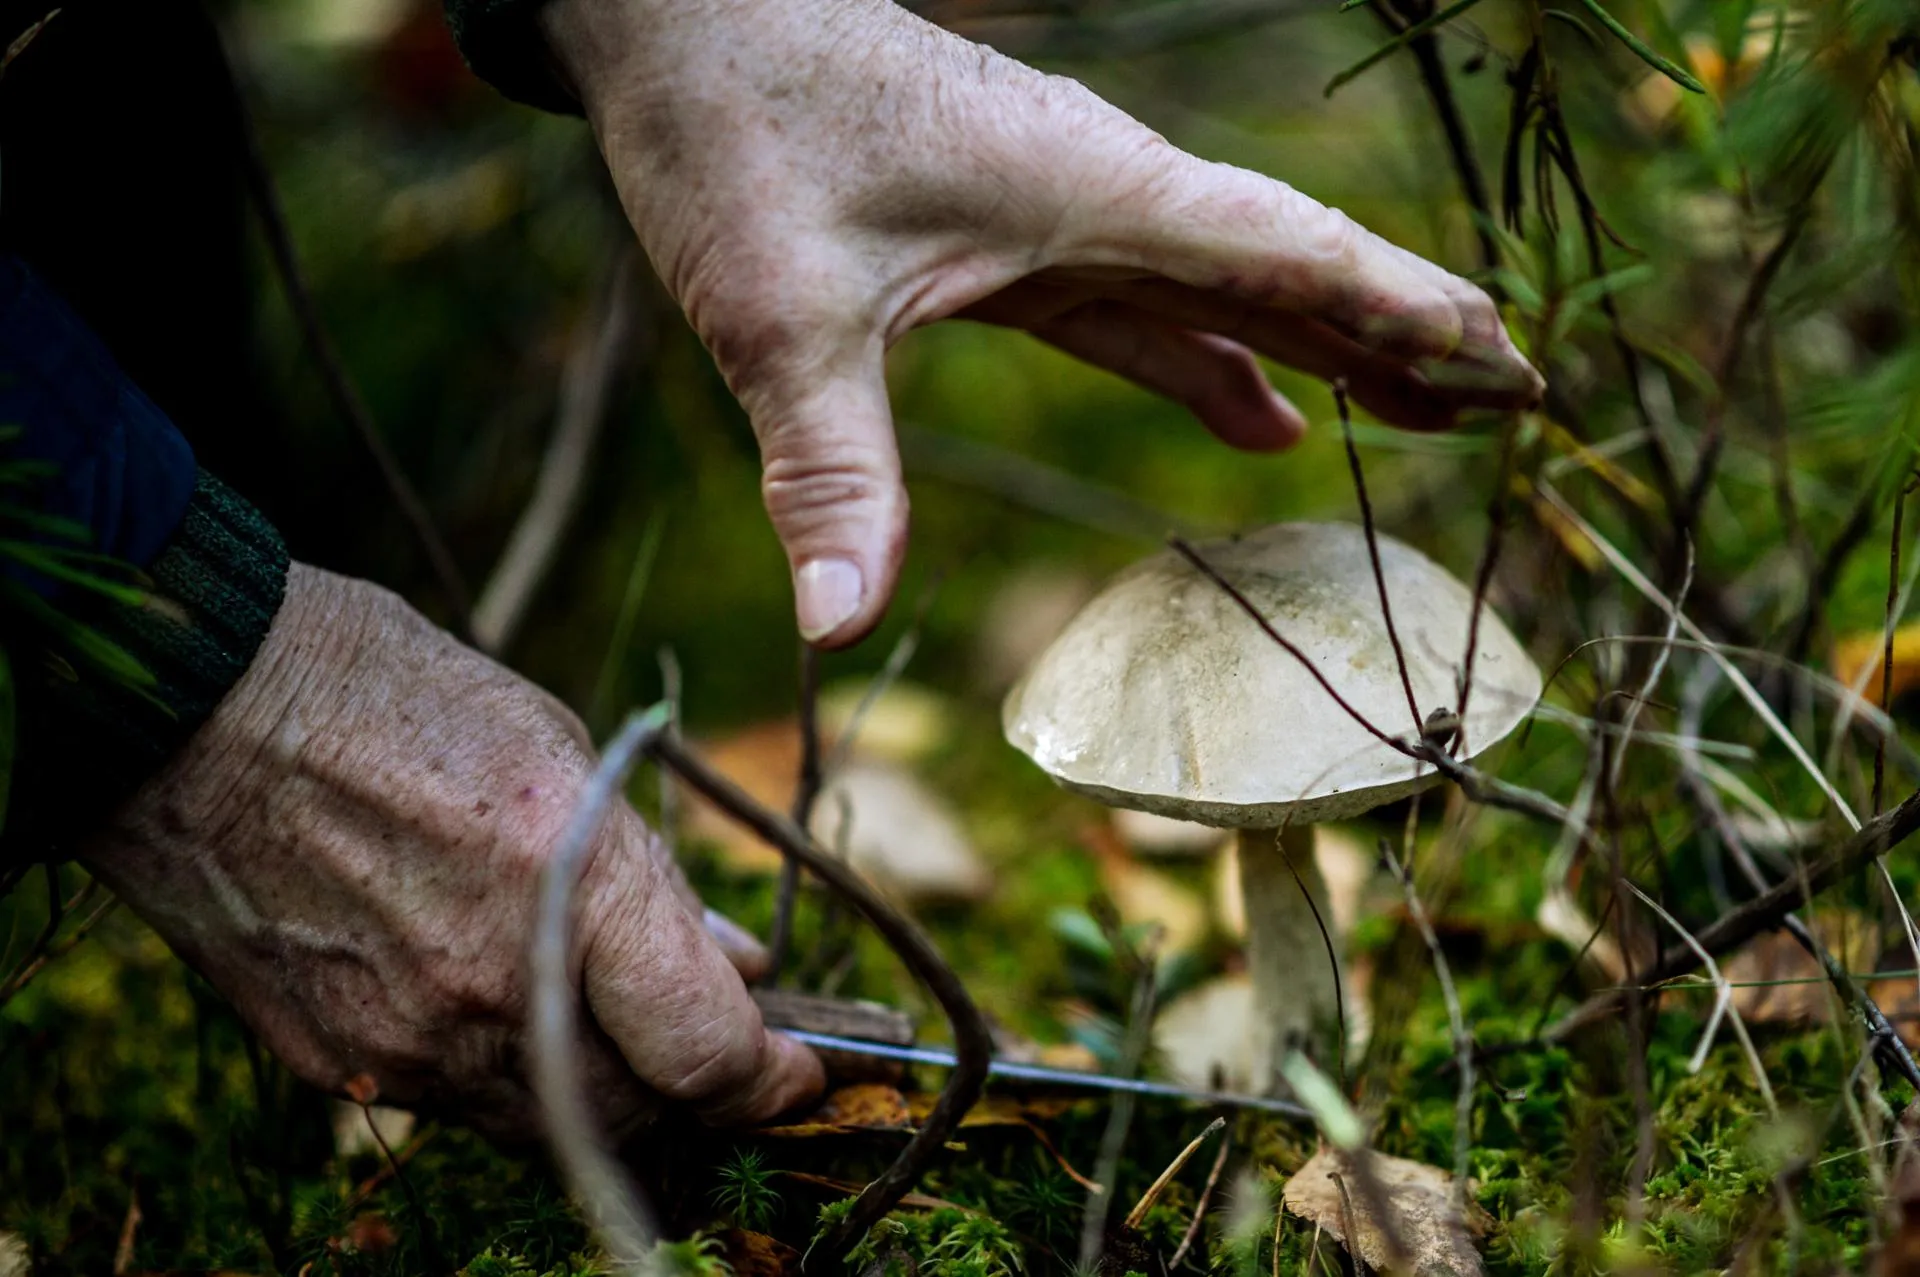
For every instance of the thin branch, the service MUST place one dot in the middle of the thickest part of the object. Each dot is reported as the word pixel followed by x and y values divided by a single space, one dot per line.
pixel 1707 802
pixel 1193 556
pixel 1752 300
pixel 1483 574
pixel 1723 1007
pixel 607 1194
pixel 1886 656
pixel 1138 1214
pixel 333 373
pixel 1646 589
pixel 1425 48
pixel 1200 1206
pixel 599 352
pixel 1113 1139
pixel 1456 1020
pixel 1373 552
pixel 24 976
pixel 1762 913
pixel 973 1042
pixel 806 793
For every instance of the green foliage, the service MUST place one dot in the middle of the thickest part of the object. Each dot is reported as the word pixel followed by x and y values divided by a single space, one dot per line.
pixel 745 1195
pixel 1627 221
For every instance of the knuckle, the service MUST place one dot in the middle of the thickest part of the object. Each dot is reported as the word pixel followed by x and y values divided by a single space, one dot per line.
pixel 805 491
pixel 1324 236
pixel 722 1056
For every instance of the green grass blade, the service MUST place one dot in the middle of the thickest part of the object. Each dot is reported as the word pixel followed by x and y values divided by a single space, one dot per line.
pixel 1672 70
pixel 1400 41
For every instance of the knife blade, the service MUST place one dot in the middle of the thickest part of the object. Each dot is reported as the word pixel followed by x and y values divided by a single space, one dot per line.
pixel 1042 1073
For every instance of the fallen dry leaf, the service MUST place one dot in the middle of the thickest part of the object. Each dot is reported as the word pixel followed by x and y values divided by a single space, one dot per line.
pixel 15 1260
pixel 1153 835
pixel 869 1107
pixel 1007 1110
pixel 1778 982
pixel 1856 652
pixel 897 831
pixel 863 1107
pixel 1425 1213
pixel 904 724
pixel 1142 894
pixel 758 1255
pixel 1900 1256
pixel 764 760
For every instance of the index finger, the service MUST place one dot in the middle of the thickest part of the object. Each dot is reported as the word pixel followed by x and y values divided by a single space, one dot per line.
pixel 1219 228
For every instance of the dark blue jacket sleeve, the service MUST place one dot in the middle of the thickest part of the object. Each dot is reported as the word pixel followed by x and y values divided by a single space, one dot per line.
pixel 114 463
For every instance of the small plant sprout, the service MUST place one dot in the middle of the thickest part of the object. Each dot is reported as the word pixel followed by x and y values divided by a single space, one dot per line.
pixel 1164 695
pixel 745 1194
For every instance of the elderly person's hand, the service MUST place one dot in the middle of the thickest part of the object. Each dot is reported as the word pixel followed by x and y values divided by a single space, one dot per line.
pixel 813 180
pixel 348 850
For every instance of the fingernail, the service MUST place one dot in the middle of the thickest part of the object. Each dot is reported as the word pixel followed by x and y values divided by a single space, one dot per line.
pixel 826 594
pixel 733 937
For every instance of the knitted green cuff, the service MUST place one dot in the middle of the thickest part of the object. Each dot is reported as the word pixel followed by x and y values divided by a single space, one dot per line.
pixel 500 42
pixel 88 739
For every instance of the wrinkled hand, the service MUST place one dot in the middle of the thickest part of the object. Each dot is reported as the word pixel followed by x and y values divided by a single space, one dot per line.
pixel 813 180
pixel 348 851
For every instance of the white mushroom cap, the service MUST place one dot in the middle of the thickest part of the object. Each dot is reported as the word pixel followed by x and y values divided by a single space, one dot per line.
pixel 1163 695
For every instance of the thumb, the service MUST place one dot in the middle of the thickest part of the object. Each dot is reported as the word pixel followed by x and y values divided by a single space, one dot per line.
pixel 830 476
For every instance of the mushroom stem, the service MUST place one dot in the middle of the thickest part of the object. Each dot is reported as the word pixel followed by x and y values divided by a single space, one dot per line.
pixel 1295 986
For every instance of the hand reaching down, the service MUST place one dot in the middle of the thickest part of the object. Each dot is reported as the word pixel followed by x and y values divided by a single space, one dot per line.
pixel 348 851
pixel 814 180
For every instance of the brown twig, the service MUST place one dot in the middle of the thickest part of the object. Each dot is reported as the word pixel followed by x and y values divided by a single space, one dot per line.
pixel 1886 656
pixel 1373 551
pixel 606 1192
pixel 1425 48
pixel 806 793
pixel 1332 951
pixel 1762 913
pixel 1193 556
pixel 1138 1214
pixel 973 1041
pixel 45 953
pixel 1200 1205
pixel 1893 1050
pixel 599 352
pixel 1113 1139
pixel 333 373
pixel 1825 576
pixel 1348 1225
pixel 431 1245
pixel 1759 284
pixel 1553 128
pixel 1483 575
pixel 1456 1019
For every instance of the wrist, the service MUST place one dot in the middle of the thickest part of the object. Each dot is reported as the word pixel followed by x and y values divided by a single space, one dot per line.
pixel 672 55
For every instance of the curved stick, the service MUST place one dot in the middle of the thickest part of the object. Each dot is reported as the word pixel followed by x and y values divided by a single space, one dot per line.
pixel 606 1193
pixel 973 1044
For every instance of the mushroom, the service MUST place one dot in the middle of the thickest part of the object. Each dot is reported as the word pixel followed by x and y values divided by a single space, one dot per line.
pixel 1164 696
